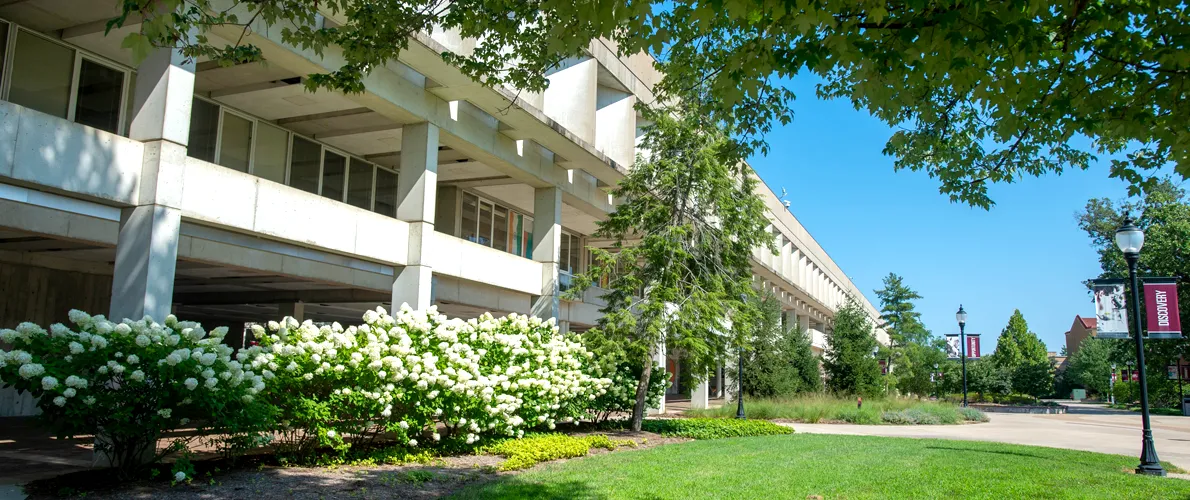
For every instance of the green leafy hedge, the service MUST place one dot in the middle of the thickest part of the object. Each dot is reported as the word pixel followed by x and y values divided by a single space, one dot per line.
pixel 532 449
pixel 713 428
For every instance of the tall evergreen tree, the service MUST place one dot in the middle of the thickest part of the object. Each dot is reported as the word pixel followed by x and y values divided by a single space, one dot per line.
pixel 1021 354
pixel 901 321
pixel 849 364
pixel 780 361
pixel 680 270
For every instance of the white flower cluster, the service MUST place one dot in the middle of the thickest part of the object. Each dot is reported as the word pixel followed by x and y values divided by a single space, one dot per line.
pixel 420 370
pixel 97 362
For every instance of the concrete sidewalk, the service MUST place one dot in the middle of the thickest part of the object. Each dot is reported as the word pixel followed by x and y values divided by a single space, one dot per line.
pixel 1086 427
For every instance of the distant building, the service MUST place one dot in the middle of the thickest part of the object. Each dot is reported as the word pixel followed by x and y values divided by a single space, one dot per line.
pixel 1082 329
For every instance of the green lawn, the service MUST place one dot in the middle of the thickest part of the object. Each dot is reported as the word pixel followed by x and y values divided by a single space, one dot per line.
pixel 801 465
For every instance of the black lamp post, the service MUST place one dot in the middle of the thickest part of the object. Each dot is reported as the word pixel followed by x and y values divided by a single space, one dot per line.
pixel 962 317
pixel 937 376
pixel 739 411
pixel 1130 239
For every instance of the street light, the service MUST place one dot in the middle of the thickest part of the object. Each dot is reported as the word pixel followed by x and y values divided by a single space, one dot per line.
pixel 936 379
pixel 962 317
pixel 739 411
pixel 1130 239
pixel 1111 384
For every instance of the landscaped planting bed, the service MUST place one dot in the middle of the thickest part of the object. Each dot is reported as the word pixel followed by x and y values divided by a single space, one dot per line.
pixel 823 408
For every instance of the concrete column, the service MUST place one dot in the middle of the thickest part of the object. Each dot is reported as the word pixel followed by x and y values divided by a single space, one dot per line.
pixel 700 396
pixel 547 248
pixel 147 245
pixel 570 98
pixel 417 186
pixel 296 310
pixel 659 361
pixel 615 125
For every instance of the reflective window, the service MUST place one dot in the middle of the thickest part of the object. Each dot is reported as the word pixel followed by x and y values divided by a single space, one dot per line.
pixel 42 72
pixel 235 146
pixel 470 218
pixel 100 91
pixel 386 192
pixel 204 128
pixel 334 173
pixel 304 168
pixel 359 184
pixel 500 228
pixel 272 145
pixel 485 223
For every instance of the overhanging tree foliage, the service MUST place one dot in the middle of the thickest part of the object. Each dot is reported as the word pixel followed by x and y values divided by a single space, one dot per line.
pixel 679 272
pixel 977 92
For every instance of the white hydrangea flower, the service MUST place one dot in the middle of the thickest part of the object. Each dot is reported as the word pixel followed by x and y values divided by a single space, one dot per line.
pixel 143 340
pixel 48 382
pixel 60 401
pixel 89 400
pixel 70 392
pixel 30 370
pixel 137 375
pixel 165 412
pixel 133 359
pixel 191 383
pixel 179 476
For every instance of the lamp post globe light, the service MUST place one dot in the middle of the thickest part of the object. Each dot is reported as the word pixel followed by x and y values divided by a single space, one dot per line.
pixel 1130 239
pixel 961 316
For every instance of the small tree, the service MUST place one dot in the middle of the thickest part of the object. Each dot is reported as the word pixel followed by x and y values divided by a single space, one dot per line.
pixel 987 378
pixel 915 368
pixel 780 361
pixel 679 270
pixel 849 364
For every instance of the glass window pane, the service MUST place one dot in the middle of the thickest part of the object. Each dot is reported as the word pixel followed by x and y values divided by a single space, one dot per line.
pixel 518 244
pixel 359 184
pixel 564 253
pixel 334 172
pixel 41 75
pixel 204 124
pixel 500 229
pixel 272 144
pixel 236 145
pixel 576 253
pixel 528 237
pixel 470 221
pixel 3 40
pixel 386 192
pixel 303 169
pixel 485 224
pixel 99 94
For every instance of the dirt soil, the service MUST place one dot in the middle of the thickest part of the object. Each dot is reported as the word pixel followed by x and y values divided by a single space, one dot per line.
pixel 265 482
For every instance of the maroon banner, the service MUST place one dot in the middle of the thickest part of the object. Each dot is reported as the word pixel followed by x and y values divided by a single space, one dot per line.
pixel 883 367
pixel 1161 309
pixel 973 346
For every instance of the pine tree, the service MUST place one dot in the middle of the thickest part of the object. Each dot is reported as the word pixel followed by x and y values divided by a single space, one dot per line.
pixel 901 321
pixel 849 364
pixel 1023 355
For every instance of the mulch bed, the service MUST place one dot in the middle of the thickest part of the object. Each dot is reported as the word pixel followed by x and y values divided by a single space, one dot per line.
pixel 261 477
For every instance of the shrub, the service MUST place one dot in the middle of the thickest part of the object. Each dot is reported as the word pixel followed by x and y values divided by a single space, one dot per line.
pixel 530 450
pixel 713 428
pixel 869 415
pixel 129 382
pixel 419 377
pixel 973 415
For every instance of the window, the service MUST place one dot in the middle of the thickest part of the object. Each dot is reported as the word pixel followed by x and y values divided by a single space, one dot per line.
pixel 58 80
pixel 204 129
pixel 359 184
pixel 571 253
pixel 304 168
pixel 42 74
pixel 485 223
pixel 100 94
pixel 334 174
pixel 386 192
pixel 235 144
pixel 500 228
pixel 272 147
pixel 470 218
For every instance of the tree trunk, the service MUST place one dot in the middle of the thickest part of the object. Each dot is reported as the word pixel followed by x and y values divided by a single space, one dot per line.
pixel 642 391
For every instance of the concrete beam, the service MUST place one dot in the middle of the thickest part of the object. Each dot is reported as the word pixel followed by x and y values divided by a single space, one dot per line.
pixel 280 297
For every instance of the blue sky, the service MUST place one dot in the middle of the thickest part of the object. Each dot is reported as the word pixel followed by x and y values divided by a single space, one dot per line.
pixel 1025 253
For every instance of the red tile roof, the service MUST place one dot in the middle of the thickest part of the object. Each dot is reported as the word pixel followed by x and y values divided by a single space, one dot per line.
pixel 1088 323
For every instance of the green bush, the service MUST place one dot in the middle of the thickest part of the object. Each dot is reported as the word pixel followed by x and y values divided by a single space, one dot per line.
pixel 973 415
pixel 533 449
pixel 713 428
pixel 813 409
pixel 869 415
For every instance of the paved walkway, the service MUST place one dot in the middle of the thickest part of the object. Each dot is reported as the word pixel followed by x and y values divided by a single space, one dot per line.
pixel 1086 427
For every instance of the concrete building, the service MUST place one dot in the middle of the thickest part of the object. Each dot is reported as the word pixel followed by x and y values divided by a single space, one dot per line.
pixel 230 194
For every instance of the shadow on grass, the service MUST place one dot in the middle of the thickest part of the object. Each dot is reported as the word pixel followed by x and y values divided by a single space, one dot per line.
pixel 518 487
pixel 997 452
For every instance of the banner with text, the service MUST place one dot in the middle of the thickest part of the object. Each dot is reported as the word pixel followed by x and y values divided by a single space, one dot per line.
pixel 953 345
pixel 1161 309
pixel 1110 309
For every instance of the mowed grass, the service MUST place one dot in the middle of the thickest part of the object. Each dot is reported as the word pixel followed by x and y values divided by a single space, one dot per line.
pixel 802 465
pixel 818 408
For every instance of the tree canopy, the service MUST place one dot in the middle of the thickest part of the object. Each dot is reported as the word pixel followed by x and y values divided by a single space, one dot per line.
pixel 780 361
pixel 977 92
pixel 1017 345
pixel 901 320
